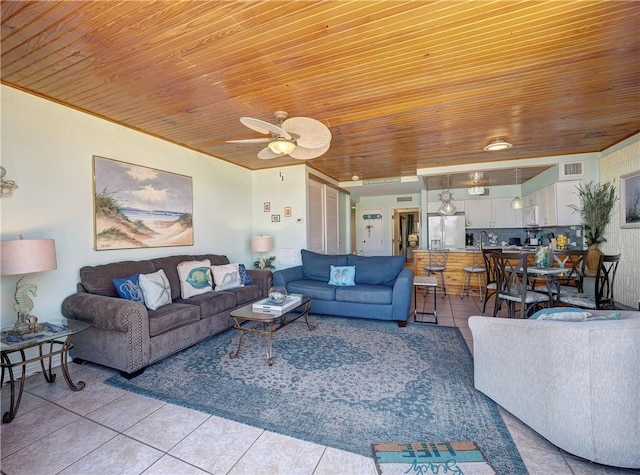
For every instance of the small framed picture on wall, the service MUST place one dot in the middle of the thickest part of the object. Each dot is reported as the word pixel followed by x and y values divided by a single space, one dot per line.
pixel 275 218
pixel 266 207
pixel 287 211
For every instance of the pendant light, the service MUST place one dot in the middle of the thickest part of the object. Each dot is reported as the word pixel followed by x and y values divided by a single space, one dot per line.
pixel 516 203
pixel 447 208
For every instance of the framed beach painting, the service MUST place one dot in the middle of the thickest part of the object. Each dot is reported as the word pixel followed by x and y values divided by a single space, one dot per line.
pixel 630 200
pixel 139 207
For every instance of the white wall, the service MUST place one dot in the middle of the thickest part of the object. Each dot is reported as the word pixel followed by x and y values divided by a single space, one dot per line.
pixel 47 150
pixel 620 160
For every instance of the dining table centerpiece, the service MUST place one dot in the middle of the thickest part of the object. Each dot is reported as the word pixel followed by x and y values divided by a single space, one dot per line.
pixel 596 204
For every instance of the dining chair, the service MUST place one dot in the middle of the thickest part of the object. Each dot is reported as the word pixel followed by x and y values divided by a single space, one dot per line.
pixel 437 265
pixel 476 268
pixel 513 284
pixel 602 297
pixel 491 285
pixel 570 282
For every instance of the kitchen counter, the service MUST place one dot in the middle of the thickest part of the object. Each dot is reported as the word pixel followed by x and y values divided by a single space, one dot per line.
pixel 458 260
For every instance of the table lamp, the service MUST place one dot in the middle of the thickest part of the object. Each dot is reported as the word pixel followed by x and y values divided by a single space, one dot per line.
pixel 26 256
pixel 262 244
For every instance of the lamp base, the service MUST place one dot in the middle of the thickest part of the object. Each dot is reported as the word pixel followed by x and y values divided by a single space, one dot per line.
pixel 26 325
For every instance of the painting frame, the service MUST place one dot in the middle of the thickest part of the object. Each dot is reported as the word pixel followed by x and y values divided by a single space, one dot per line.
pixel 287 211
pixel 275 218
pixel 630 200
pixel 139 207
pixel 266 207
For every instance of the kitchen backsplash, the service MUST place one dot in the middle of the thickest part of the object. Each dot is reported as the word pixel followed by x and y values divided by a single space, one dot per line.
pixel 544 234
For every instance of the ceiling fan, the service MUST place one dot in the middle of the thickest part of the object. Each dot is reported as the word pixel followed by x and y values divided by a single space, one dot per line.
pixel 301 138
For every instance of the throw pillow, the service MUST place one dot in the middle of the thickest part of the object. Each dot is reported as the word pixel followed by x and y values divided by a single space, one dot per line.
pixel 244 276
pixel 155 289
pixel 567 314
pixel 226 277
pixel 343 275
pixel 128 288
pixel 195 278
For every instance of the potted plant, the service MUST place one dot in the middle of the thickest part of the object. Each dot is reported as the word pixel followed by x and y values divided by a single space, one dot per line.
pixel 596 204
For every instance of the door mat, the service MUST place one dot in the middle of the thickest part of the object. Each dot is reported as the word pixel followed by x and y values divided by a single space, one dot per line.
pixel 457 458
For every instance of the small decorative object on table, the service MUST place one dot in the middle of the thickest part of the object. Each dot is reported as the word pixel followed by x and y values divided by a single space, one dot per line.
pixel 277 294
pixel 542 256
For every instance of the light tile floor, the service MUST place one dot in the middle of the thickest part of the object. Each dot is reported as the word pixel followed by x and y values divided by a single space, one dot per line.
pixel 105 430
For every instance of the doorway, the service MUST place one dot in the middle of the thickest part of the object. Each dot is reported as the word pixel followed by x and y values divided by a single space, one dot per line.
pixel 406 232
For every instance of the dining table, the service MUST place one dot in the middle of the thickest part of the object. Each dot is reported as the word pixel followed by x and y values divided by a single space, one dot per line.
pixel 550 275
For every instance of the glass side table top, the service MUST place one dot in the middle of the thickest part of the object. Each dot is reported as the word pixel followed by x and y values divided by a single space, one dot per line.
pixel 49 331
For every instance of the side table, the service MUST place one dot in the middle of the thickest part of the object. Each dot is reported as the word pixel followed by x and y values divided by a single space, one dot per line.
pixel 427 283
pixel 54 338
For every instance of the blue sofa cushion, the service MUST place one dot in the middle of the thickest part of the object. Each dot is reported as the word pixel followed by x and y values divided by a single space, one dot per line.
pixel 376 269
pixel 318 266
pixel 314 288
pixel 363 293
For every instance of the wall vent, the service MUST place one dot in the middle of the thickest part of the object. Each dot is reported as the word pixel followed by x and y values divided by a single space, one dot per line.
pixel 400 199
pixel 571 170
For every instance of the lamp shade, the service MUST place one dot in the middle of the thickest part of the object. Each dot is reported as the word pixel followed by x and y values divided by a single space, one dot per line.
pixel 24 256
pixel 261 243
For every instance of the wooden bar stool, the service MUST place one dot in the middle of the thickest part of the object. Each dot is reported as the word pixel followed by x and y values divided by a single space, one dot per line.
pixel 476 268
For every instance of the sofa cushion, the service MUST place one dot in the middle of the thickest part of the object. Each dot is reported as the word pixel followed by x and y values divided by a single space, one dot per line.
pixel 99 279
pixel 212 303
pixel 246 294
pixel 195 278
pixel 342 275
pixel 215 259
pixel 172 316
pixel 364 293
pixel 155 289
pixel 376 269
pixel 128 288
pixel 314 288
pixel 226 277
pixel 318 266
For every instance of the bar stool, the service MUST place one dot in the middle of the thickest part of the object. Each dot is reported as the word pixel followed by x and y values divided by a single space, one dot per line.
pixel 477 267
pixel 437 265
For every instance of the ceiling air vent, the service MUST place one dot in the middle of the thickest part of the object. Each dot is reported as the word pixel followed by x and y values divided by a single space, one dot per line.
pixel 571 170
pixel 404 198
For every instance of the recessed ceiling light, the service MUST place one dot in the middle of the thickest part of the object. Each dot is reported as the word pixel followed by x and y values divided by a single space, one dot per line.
pixel 497 145
pixel 355 177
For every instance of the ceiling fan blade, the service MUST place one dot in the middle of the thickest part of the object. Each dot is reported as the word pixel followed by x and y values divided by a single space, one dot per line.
pixel 303 153
pixel 309 133
pixel 260 140
pixel 264 127
pixel 267 154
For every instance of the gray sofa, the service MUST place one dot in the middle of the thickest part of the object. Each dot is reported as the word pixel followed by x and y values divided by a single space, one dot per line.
pixel 382 287
pixel 575 383
pixel 125 335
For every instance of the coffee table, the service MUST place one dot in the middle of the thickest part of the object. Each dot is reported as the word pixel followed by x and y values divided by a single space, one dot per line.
pixel 270 323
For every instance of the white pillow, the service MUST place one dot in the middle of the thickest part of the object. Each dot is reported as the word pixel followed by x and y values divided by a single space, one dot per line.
pixel 195 278
pixel 155 289
pixel 226 277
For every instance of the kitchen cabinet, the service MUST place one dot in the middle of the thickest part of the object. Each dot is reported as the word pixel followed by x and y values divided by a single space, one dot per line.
pixel 554 204
pixel 492 213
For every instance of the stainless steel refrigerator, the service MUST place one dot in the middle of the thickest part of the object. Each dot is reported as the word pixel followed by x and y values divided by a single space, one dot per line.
pixel 446 232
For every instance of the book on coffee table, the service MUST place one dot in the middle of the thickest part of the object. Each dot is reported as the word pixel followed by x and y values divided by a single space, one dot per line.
pixel 268 306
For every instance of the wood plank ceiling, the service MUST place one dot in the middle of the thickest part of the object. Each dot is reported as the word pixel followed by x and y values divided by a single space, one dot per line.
pixel 402 85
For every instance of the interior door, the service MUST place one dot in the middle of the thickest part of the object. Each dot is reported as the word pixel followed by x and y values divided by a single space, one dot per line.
pixel 397 239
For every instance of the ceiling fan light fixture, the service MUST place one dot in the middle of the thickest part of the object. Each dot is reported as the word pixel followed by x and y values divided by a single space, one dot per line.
pixel 281 146
pixel 497 145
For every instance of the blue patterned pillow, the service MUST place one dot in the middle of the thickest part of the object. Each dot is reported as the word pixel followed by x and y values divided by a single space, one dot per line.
pixel 343 275
pixel 567 314
pixel 128 288
pixel 244 277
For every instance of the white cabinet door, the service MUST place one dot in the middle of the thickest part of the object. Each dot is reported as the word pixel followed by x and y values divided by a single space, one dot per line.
pixel 567 195
pixel 550 217
pixel 504 216
pixel 479 214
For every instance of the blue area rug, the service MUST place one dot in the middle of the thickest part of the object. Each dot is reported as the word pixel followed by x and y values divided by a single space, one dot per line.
pixel 348 384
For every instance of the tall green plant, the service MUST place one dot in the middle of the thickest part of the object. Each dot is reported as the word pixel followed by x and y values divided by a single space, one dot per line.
pixel 596 204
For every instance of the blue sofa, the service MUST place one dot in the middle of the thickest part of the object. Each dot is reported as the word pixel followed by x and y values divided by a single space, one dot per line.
pixel 382 287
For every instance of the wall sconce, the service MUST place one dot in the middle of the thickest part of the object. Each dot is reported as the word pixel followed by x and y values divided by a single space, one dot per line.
pixel 6 186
